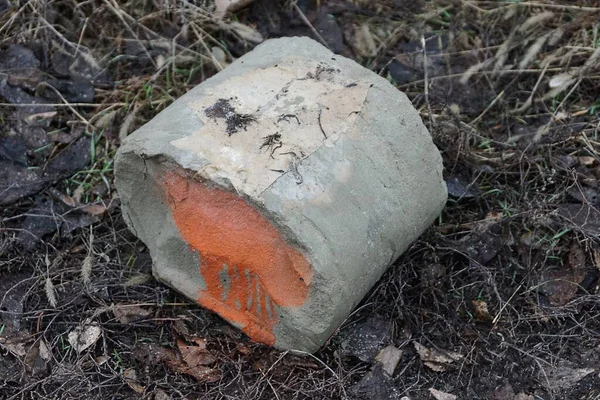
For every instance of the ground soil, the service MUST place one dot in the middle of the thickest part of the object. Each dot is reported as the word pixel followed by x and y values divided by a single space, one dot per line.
pixel 500 299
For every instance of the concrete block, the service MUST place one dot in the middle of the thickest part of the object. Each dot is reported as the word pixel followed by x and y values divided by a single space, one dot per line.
pixel 277 192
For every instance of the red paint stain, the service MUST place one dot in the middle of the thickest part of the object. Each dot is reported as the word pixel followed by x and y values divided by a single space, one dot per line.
pixel 246 264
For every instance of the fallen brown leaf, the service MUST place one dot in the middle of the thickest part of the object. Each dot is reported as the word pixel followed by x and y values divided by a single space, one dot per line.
pixel 438 361
pixel 161 395
pixel 246 32
pixel 96 209
pixel 597 258
pixel 561 285
pixel 224 6
pixel 439 395
pixel 130 377
pixel 128 313
pixel 581 217
pixel 481 310
pixel 190 358
pixel 195 359
pixel 37 358
pixel 389 357
pixel 195 355
pixel 16 348
pixel 84 336
pixel 563 376
pixel 523 396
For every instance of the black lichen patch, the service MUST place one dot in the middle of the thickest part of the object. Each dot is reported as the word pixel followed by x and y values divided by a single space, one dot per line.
pixel 272 142
pixel 224 110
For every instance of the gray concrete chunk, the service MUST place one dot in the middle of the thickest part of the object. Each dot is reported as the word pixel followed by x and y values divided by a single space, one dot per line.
pixel 277 192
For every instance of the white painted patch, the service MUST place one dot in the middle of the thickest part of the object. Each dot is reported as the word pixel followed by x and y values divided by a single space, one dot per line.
pixel 300 105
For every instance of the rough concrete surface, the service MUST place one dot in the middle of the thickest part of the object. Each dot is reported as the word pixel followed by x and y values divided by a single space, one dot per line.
pixel 277 192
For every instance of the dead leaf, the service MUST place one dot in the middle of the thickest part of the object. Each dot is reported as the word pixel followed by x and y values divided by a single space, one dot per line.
pixel 563 376
pixel 366 339
pixel 96 209
pixel 194 361
pixel 161 395
pixel 561 285
pixel 576 257
pixel 78 194
pixel 37 358
pixel 187 359
pixel 389 357
pixel 195 355
pixel 483 243
pixel 461 187
pixel 130 378
pixel 481 310
pixel 523 396
pixel 528 238
pixel 596 255
pixel 242 348
pixel 67 200
pixel 375 384
pixel 436 360
pixel 246 32
pixel 365 42
pixel 128 313
pixel 101 360
pixel 587 160
pixel 581 217
pixel 14 288
pixel 17 181
pixel 224 6
pixel 84 336
pixel 439 395
pixel 584 194
pixel 14 346
pixel 45 353
pixel 505 392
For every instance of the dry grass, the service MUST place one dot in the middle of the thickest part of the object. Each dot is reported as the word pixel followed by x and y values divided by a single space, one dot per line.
pixel 510 93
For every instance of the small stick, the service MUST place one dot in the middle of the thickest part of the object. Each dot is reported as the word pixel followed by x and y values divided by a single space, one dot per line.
pixel 85 121
pixel 320 125
pixel 312 28
pixel 500 95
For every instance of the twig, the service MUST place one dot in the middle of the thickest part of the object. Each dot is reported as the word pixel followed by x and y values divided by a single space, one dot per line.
pixel 327 367
pixel 507 4
pixel 498 97
pixel 118 12
pixel 90 105
pixel 529 101
pixel 390 41
pixel 320 125
pixel 497 317
pixel 13 17
pixel 310 26
pixel 502 72
pixel 85 121
pixel 544 128
pixel 213 59
pixel 426 80
pixel 57 33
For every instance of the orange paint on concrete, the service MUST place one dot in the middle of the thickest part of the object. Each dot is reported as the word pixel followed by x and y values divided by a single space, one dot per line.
pixel 246 264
